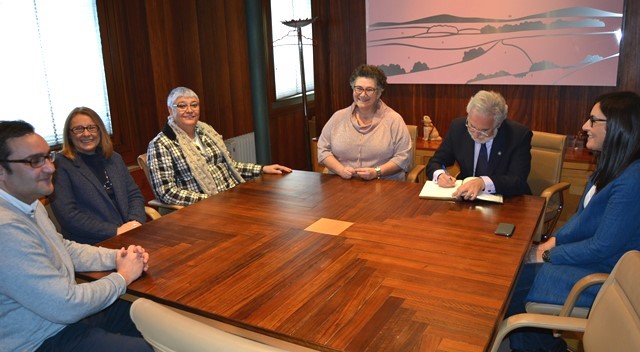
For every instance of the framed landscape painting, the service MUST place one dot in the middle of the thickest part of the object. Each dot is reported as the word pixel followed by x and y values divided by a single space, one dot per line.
pixel 542 42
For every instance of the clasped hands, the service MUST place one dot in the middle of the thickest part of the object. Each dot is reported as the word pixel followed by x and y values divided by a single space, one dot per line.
pixel 467 191
pixel 131 262
pixel 365 173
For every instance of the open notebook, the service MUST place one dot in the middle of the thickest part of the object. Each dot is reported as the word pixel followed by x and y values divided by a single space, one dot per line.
pixel 430 190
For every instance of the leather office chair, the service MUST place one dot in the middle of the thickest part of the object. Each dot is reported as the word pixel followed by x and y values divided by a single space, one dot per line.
pixel 614 321
pixel 547 156
pixel 166 329
pixel 163 208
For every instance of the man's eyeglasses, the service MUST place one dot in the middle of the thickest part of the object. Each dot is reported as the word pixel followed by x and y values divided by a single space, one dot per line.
pixel 484 133
pixel 595 119
pixel 35 161
pixel 80 129
pixel 183 106
pixel 369 90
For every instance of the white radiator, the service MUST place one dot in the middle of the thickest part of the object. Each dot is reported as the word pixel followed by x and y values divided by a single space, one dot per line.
pixel 242 148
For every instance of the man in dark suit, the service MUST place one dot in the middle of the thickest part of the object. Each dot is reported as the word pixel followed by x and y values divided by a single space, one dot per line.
pixel 488 146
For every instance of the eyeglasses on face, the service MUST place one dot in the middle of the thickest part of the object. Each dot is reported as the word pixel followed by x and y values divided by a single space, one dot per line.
pixel 595 119
pixel 35 161
pixel 368 90
pixel 184 106
pixel 484 133
pixel 80 129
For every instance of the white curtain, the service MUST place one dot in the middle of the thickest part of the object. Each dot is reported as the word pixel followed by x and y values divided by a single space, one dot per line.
pixel 51 62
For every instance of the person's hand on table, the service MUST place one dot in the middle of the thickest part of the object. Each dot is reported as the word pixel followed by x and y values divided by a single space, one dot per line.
pixel 131 262
pixel 275 169
pixel 366 173
pixel 127 226
pixel 347 172
pixel 470 189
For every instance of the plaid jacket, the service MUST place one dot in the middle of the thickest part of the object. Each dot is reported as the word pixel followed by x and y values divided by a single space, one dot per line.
pixel 171 178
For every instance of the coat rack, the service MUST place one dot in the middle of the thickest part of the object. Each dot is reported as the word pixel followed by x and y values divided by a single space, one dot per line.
pixel 298 24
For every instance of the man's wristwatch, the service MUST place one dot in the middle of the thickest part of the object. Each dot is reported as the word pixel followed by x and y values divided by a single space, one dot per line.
pixel 546 256
pixel 378 172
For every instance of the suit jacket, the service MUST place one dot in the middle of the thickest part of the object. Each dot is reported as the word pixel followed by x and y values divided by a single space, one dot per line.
pixel 593 240
pixel 83 208
pixel 509 161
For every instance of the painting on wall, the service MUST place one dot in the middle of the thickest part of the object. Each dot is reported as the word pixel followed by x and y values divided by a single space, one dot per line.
pixel 542 42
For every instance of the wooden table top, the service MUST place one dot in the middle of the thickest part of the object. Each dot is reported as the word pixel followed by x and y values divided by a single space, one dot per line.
pixel 408 274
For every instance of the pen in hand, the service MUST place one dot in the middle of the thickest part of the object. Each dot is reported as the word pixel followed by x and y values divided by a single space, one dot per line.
pixel 444 167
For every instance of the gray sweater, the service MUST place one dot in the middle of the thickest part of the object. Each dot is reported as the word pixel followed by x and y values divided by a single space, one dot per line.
pixel 39 295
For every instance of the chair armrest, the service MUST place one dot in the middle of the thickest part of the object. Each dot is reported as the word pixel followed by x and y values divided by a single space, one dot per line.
pixel 553 189
pixel 415 173
pixel 569 309
pixel 536 321
pixel 152 213
pixel 578 288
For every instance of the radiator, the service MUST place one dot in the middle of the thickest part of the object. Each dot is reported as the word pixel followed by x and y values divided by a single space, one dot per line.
pixel 242 148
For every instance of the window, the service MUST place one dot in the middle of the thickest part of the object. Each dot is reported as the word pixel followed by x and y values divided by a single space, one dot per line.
pixel 51 63
pixel 286 55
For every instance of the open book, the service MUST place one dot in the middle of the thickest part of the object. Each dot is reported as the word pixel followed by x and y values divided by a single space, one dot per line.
pixel 430 190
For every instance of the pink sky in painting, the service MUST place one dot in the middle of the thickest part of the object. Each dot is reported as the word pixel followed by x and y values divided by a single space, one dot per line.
pixel 585 55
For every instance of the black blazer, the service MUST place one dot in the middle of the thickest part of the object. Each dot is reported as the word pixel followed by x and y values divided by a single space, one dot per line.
pixel 509 162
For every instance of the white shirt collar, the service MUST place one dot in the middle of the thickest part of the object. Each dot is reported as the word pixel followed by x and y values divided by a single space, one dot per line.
pixel 28 209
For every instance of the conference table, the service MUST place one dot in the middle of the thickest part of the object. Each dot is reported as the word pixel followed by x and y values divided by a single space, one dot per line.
pixel 323 263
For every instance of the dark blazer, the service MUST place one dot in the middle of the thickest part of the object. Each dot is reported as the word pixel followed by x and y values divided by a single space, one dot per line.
pixel 83 208
pixel 509 162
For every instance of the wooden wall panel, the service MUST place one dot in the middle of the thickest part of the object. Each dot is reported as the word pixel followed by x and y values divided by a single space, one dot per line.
pixel 129 77
pixel 152 46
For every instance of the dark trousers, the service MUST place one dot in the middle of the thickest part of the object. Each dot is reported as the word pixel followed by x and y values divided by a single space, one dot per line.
pixel 530 339
pixel 109 330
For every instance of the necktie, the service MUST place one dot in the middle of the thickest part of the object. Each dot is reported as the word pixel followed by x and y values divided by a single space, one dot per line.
pixel 482 166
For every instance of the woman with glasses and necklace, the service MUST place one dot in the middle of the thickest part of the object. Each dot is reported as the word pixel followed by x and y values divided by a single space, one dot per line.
pixel 605 226
pixel 368 139
pixel 95 197
pixel 487 146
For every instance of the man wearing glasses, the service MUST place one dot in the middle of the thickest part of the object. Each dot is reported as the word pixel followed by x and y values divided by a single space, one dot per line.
pixel 41 305
pixel 487 146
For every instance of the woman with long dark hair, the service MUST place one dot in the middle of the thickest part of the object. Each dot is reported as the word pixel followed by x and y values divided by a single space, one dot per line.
pixel 605 226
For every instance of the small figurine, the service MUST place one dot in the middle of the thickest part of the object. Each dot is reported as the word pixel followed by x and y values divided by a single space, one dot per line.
pixel 429 131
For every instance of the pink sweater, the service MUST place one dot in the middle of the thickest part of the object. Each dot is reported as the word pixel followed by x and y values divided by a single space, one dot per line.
pixel 386 138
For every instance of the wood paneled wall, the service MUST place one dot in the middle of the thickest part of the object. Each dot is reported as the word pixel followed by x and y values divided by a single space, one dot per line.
pixel 341 37
pixel 152 46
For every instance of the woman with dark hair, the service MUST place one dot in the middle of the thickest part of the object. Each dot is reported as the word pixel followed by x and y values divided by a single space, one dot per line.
pixel 367 139
pixel 95 197
pixel 606 225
